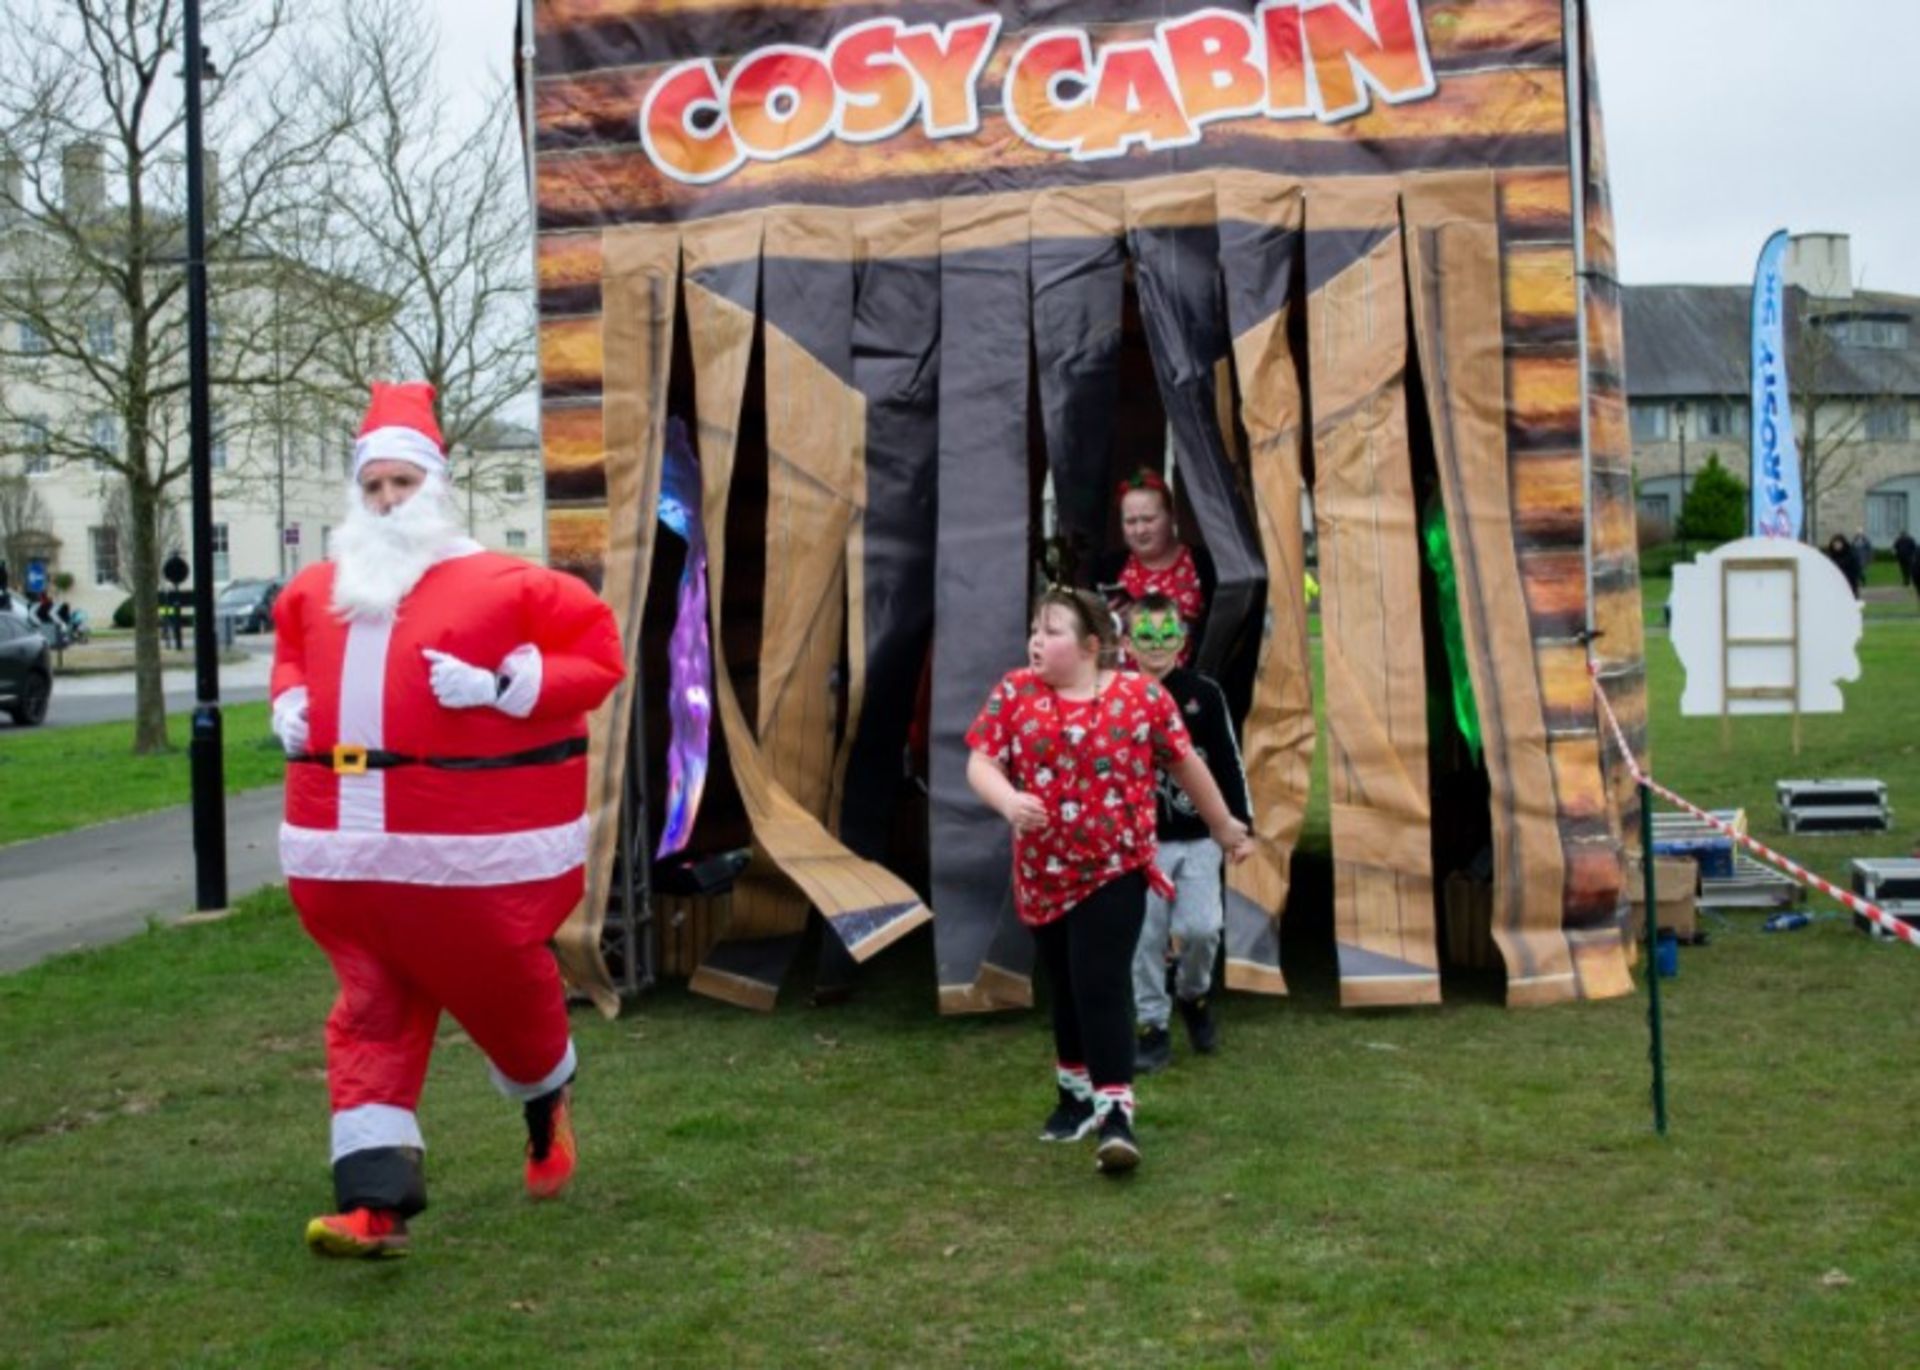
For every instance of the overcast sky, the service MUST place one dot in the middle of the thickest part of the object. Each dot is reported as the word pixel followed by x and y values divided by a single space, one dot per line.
pixel 1726 119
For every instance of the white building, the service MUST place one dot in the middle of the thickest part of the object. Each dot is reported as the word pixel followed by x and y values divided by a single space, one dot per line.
pixel 280 452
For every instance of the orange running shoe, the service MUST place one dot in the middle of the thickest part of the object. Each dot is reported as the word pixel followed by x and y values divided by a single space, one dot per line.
pixel 368 1233
pixel 551 1151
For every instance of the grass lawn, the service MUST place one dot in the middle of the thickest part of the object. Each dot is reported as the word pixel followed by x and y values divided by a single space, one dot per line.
pixel 53 779
pixel 1458 1186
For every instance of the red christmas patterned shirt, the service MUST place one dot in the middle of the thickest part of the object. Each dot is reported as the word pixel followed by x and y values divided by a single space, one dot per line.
pixel 1091 762
pixel 1179 581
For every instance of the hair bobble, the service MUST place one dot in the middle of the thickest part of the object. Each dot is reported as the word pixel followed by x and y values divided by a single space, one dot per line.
pixel 1143 479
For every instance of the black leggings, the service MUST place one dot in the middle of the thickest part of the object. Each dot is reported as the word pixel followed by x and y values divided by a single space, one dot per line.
pixel 1088 953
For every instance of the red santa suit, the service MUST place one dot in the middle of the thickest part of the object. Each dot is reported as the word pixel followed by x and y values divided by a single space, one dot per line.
pixel 433 851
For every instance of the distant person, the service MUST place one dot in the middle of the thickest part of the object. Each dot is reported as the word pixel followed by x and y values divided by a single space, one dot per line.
pixel 1863 553
pixel 1841 554
pixel 1904 548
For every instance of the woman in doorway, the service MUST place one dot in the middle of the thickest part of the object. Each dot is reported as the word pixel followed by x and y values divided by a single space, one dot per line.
pixel 1156 561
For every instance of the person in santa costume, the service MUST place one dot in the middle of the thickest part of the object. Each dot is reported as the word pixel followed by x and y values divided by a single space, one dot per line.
pixel 432 700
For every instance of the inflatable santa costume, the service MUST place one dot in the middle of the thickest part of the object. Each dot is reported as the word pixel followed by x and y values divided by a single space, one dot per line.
pixel 432 698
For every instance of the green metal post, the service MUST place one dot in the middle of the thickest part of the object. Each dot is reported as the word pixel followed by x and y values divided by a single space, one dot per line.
pixel 1656 1051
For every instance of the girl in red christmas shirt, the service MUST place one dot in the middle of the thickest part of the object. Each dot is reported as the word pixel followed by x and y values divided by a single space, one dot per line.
pixel 1065 751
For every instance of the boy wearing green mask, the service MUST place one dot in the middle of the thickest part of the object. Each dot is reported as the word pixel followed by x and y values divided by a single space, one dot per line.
pixel 1192 919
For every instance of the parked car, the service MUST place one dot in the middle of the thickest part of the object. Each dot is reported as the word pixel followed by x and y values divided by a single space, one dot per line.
pixel 249 603
pixel 26 668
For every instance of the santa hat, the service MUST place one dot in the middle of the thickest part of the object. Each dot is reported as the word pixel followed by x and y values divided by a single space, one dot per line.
pixel 400 426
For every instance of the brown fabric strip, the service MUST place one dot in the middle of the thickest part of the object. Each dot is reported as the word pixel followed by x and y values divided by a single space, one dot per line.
pixel 641 267
pixel 1453 255
pixel 1261 239
pixel 1370 579
pixel 806 298
pixel 841 885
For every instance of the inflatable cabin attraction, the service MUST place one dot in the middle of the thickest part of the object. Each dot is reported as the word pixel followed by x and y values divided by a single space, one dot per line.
pixel 852 317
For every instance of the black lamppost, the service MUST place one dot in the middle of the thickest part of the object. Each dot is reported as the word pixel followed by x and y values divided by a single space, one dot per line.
pixel 204 753
pixel 1680 425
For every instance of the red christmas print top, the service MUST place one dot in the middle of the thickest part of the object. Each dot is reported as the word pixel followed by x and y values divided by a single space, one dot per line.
pixel 1091 762
pixel 1179 581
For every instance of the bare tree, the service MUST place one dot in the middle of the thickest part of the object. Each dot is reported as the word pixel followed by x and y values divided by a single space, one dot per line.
pixel 118 519
pixel 23 521
pixel 436 219
pixel 1831 402
pixel 92 284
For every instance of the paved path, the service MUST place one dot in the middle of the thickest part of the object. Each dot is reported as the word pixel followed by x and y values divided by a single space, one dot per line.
pixel 107 698
pixel 99 884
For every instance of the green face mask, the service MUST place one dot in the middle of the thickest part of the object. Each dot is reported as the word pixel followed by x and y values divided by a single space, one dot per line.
pixel 1157 632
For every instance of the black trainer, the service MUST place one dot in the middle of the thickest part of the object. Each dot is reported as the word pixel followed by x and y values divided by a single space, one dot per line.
pixel 1118 1152
pixel 1202 1031
pixel 1152 1050
pixel 1071 1119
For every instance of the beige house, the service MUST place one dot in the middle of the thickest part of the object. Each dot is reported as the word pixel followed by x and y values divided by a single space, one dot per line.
pixel 276 497
pixel 1854 367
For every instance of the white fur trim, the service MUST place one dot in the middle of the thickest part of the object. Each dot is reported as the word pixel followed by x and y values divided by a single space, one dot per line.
pixel 432 858
pixel 374 1125
pixel 546 1084
pixel 522 668
pixel 363 691
pixel 459 547
pixel 399 443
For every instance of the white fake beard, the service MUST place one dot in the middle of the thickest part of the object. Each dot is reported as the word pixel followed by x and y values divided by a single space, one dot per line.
pixel 378 558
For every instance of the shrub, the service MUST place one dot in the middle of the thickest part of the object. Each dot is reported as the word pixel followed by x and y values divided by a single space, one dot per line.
pixel 1715 509
pixel 123 613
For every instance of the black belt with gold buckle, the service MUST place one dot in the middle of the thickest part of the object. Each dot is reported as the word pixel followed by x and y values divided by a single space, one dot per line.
pixel 348 759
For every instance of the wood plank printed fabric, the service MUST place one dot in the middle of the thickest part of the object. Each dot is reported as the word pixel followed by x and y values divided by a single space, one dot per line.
pixel 1338 239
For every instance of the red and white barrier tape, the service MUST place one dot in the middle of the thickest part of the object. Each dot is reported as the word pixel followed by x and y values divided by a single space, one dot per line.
pixel 1878 916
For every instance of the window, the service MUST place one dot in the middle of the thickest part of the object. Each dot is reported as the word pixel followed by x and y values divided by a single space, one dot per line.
pixel 34 443
pixel 1721 419
pixel 100 339
pixel 1862 330
pixel 1887 421
pixel 32 341
pixel 222 561
pixel 217 441
pixel 514 483
pixel 104 544
pixel 516 539
pixel 103 435
pixel 1649 421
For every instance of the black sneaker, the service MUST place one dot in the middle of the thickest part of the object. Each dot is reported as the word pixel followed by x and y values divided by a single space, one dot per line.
pixel 1202 1031
pixel 1071 1119
pixel 1118 1152
pixel 1152 1050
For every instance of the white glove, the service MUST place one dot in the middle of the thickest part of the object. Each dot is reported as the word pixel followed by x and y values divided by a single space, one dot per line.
pixel 458 685
pixel 290 719
pixel 521 670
